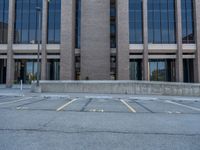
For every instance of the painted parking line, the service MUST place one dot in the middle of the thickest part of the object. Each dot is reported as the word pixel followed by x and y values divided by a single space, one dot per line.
pixel 128 106
pixel 186 106
pixel 96 110
pixel 11 102
pixel 65 105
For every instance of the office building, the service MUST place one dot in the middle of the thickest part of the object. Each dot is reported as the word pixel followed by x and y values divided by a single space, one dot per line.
pixel 156 40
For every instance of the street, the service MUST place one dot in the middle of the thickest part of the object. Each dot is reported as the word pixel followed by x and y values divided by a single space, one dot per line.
pixel 103 122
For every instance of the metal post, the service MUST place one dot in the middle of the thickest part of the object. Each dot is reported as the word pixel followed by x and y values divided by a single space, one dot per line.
pixel 38 9
pixel 21 87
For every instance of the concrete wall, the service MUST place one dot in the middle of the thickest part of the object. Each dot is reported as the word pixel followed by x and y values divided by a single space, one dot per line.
pixel 95 39
pixel 120 87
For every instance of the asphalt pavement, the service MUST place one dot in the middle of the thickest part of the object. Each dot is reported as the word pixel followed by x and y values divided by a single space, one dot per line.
pixel 98 122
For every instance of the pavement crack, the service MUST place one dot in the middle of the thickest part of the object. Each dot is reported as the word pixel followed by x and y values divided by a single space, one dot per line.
pixel 39 130
pixel 47 123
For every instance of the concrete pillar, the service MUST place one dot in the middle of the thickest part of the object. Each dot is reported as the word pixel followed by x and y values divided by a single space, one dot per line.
pixel 179 54
pixel 44 40
pixel 67 40
pixel 122 39
pixel 10 59
pixel 145 60
pixel 197 36
pixel 95 39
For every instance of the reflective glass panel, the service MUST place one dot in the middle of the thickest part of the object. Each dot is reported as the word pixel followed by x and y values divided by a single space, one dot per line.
pixel 162 70
pixel 3 21
pixel 187 21
pixel 161 21
pixel 135 22
pixel 54 21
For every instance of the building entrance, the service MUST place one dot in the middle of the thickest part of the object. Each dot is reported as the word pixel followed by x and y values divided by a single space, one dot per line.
pixel 2 71
pixel 25 70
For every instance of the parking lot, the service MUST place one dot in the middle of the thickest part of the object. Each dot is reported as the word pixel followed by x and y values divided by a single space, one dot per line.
pixel 99 122
pixel 101 104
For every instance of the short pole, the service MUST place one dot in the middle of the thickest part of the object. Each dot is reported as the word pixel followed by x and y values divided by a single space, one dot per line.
pixel 38 9
pixel 21 87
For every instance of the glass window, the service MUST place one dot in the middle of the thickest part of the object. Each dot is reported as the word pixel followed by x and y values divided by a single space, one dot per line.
pixel 188 70
pixel 78 23
pixel 25 70
pixel 136 69
pixel 54 21
pixel 161 21
pixel 53 69
pixel 26 21
pixel 3 21
pixel 113 24
pixel 135 22
pixel 162 70
pixel 2 71
pixel 187 21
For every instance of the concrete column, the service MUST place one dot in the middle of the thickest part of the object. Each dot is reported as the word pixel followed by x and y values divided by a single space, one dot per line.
pixel 44 40
pixel 197 36
pixel 10 59
pixel 67 40
pixel 179 55
pixel 145 60
pixel 95 39
pixel 123 39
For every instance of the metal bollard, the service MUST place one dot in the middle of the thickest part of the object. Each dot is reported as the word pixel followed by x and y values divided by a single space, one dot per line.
pixel 21 87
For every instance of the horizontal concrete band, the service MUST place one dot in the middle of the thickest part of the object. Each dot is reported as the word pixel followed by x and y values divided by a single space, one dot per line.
pixel 119 87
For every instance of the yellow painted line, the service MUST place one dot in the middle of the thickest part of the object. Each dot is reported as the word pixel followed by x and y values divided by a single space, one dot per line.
pixel 186 106
pixel 128 106
pixel 11 102
pixel 66 104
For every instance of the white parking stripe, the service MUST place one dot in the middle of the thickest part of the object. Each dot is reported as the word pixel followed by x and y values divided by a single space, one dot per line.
pixel 186 106
pixel 65 105
pixel 23 99
pixel 127 105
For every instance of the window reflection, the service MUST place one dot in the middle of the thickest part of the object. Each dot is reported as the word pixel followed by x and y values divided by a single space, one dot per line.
pixel 162 70
pixel 26 21
pixel 188 70
pixel 54 20
pixel 2 71
pixel 161 21
pixel 187 21
pixel 135 22
pixel 3 21
pixel 53 69
pixel 25 70
pixel 136 69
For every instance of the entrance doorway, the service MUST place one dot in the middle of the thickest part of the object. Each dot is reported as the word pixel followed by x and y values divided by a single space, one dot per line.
pixel 25 70
pixel 2 71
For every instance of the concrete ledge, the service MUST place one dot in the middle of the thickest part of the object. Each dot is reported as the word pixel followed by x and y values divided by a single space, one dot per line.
pixel 119 87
